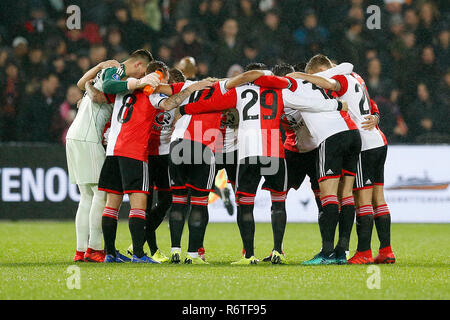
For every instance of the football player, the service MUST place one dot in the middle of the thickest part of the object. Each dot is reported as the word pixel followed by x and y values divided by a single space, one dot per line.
pixel 261 153
pixel 86 154
pixel 368 189
pixel 125 170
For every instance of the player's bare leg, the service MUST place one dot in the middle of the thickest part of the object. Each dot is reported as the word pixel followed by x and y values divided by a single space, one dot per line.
pixel 382 218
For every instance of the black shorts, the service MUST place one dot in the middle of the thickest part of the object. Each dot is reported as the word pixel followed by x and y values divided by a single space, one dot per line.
pixel 121 175
pixel 299 165
pixel 370 168
pixel 251 169
pixel 191 165
pixel 158 172
pixel 338 155
pixel 229 162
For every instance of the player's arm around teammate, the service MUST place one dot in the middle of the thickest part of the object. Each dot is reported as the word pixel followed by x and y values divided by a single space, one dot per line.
pixel 91 73
pixel 365 113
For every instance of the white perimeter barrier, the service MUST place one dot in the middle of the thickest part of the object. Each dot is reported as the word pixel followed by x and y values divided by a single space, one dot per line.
pixel 417 190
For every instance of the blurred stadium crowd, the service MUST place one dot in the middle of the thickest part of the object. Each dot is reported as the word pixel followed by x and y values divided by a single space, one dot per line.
pixel 405 63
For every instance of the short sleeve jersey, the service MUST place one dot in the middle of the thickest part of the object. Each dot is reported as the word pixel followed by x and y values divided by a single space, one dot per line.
pixel 131 125
pixel 354 92
pixel 91 117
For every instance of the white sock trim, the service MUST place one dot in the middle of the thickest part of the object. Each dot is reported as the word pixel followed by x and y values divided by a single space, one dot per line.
pixel 193 255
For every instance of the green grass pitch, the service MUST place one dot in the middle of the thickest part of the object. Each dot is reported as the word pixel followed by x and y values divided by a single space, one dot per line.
pixel 34 258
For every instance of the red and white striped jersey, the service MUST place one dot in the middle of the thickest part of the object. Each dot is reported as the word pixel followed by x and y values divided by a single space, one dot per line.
pixel 162 127
pixel 298 137
pixel 321 125
pixel 131 124
pixel 354 92
pixel 230 120
pixel 260 110
pixel 206 128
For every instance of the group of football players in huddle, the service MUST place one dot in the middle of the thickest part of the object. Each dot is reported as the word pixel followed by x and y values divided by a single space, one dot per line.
pixel 167 137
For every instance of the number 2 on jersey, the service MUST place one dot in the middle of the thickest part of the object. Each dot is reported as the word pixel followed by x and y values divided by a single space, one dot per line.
pixel 364 98
pixel 272 106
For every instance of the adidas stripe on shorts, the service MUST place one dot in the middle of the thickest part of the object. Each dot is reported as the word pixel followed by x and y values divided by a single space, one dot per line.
pixel 121 175
pixel 370 168
pixel 338 155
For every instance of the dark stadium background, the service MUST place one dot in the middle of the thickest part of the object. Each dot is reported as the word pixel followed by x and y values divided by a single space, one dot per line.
pixel 405 63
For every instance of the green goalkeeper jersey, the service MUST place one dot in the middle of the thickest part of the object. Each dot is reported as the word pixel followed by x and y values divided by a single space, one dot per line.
pixel 91 117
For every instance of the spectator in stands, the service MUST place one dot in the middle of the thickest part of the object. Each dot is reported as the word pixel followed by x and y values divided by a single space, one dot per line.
pixel 376 84
pixel 147 12
pixel 275 39
pixel 251 53
pixel 442 49
pixel 20 46
pixel 10 98
pixel 229 48
pixel 428 70
pixel 352 44
pixel 428 23
pixel 114 41
pixel 135 34
pixel 97 54
pixel 203 68
pixel 311 36
pixel 38 112
pixel 248 17
pixel 411 46
pixel 165 54
pixel 4 55
pixel 38 28
pixel 76 41
pixel 67 111
pixel 411 20
pixel 423 114
pixel 35 67
pixel 214 18
pixel 394 6
pixel 444 100
pixel 189 45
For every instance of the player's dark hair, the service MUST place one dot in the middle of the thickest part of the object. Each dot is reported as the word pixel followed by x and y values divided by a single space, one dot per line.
pixel 256 66
pixel 176 75
pixel 300 67
pixel 282 69
pixel 142 54
pixel 317 61
pixel 157 65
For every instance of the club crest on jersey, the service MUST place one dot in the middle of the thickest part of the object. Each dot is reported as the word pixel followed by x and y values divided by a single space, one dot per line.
pixel 163 121
pixel 290 121
pixel 229 119
pixel 163 118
